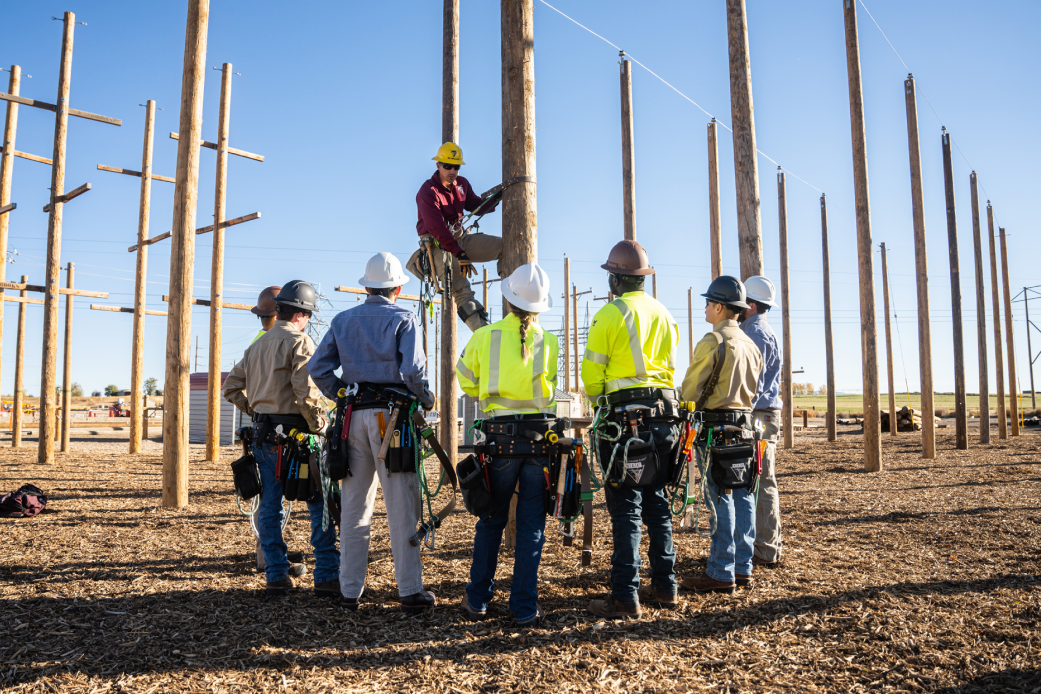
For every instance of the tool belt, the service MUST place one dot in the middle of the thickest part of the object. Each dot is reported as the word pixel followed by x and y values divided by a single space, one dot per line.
pixel 521 436
pixel 647 435
pixel 735 418
pixel 734 451
pixel 666 396
pixel 265 426
pixel 372 396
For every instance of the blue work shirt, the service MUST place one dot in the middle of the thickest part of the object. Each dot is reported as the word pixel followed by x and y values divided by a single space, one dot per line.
pixel 376 342
pixel 768 390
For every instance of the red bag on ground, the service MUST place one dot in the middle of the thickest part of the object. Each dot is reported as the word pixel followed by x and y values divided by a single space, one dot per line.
pixel 29 500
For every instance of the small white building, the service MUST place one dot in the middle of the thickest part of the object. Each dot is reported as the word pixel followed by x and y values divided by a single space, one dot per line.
pixel 231 418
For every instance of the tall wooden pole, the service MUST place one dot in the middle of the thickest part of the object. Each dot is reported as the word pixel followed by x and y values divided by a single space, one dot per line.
pixel 829 345
pixel 137 359
pixel 567 327
pixel 925 344
pixel 961 432
pixel 48 381
pixel 7 147
pixel 715 225
pixel 999 366
pixel 19 363
pixel 628 150
pixel 213 380
pixel 66 378
pixel 182 260
pixel 578 357
pixel 437 359
pixel 889 345
pixel 1009 339
pixel 690 323
pixel 1030 349
pixel 981 312
pixel 787 391
pixel 865 264
pixel 519 211
pixel 449 433
pixel 746 165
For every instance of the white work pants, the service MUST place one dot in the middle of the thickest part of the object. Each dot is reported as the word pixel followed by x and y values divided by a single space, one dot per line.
pixel 768 541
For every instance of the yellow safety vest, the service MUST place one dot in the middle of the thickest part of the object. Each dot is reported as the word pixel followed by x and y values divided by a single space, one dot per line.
pixel 493 370
pixel 631 344
pixel 258 336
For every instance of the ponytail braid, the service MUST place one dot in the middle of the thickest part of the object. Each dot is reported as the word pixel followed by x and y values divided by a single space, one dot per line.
pixel 526 319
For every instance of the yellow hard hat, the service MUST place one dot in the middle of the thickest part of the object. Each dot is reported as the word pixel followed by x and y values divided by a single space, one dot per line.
pixel 450 153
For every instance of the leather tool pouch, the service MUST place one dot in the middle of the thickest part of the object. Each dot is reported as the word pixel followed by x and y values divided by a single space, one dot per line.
pixel 401 456
pixel 246 476
pixel 566 503
pixel 733 466
pixel 641 465
pixel 473 481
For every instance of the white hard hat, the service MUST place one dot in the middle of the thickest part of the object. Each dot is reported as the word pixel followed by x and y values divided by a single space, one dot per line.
pixel 761 290
pixel 383 270
pixel 528 289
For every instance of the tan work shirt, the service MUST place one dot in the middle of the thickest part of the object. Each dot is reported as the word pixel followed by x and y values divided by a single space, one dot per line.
pixel 272 377
pixel 740 374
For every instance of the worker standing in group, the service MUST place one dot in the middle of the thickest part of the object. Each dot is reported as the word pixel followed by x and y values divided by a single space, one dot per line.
pixel 766 410
pixel 510 366
pixel 442 201
pixel 378 344
pixel 628 367
pixel 271 384
pixel 722 382
pixel 265 310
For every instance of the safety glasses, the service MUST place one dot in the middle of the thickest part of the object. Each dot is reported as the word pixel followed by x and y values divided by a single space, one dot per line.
pixel 450 167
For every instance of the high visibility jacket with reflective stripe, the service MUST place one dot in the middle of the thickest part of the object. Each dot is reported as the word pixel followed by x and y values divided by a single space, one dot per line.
pixel 631 344
pixel 493 370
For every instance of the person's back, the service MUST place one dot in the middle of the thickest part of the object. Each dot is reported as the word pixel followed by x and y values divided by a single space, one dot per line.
pixel 742 363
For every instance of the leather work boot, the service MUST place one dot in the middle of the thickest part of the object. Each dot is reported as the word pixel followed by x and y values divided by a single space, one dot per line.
pixel 534 621
pixel 297 570
pixel 328 589
pixel 472 614
pixel 352 604
pixel 280 588
pixel 759 561
pixel 614 609
pixel 706 584
pixel 295 557
pixel 418 603
pixel 473 314
pixel 744 581
pixel 649 596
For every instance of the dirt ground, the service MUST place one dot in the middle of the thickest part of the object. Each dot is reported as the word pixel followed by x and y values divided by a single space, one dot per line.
pixel 924 577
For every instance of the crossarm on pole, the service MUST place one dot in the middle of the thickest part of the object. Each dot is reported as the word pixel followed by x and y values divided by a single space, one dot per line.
pixel 203 230
pixel 124 309
pixel 230 150
pixel 75 193
pixel 406 297
pixel 223 304
pixel 130 172
pixel 7 208
pixel 51 107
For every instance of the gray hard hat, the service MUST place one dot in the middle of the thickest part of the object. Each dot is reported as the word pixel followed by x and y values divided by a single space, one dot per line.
pixel 298 294
pixel 727 290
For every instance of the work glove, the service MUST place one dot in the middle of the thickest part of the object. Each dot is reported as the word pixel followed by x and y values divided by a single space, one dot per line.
pixel 466 265
pixel 426 399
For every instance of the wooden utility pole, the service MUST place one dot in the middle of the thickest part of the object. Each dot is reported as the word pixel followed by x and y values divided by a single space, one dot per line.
pixel 961 432
pixel 7 149
pixel 829 345
pixel 519 210
pixel 1010 339
pixel 449 433
pixel 715 225
pixel 869 330
pixel 889 344
pixel 567 327
pixel 19 364
pixel 182 259
pixel 66 379
pixel 628 150
pixel 690 323
pixel 981 312
pixel 999 366
pixel 578 357
pixel 925 344
pixel 746 165
pixel 787 391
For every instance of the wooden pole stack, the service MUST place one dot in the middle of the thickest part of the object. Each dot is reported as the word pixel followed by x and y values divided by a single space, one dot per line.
pixel 889 343
pixel 567 327
pixel 7 149
pixel 925 348
pixel 19 368
pixel 628 150
pixel 961 433
pixel 746 166
pixel 829 346
pixel 182 259
pixel 981 311
pixel 715 225
pixel 999 366
pixel 449 433
pixel 1010 339
pixel 787 390
pixel 869 332
pixel 66 380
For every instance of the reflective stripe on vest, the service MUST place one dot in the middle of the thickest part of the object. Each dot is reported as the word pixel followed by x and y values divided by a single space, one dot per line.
pixel 595 357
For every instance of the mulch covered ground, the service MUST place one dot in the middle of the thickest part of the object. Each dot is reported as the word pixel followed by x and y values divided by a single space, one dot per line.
pixel 925 577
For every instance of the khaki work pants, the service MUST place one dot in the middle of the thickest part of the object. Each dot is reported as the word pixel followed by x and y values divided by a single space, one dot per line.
pixel 768 542
pixel 480 248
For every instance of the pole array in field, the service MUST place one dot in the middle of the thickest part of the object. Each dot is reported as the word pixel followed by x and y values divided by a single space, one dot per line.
pixel 449 432
pixel 19 371
pixel 715 225
pixel 925 344
pixel 999 365
pixel 869 330
pixel 182 259
pixel 628 149
pixel 961 434
pixel 746 166
pixel 787 391
pixel 889 344
pixel 1009 338
pixel 829 345
pixel 567 327
pixel 137 359
pixel 7 149
pixel 981 311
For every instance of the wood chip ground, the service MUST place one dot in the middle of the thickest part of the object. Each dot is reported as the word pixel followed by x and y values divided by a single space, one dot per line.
pixel 925 577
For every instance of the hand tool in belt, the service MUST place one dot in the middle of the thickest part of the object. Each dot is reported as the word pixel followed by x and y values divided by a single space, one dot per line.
pixel 399 398
pixel 427 432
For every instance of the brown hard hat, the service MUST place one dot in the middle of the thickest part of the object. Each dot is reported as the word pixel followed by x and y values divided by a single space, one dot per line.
pixel 628 258
pixel 266 302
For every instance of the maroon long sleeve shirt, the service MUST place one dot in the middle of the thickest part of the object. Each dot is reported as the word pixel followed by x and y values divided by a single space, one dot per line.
pixel 439 207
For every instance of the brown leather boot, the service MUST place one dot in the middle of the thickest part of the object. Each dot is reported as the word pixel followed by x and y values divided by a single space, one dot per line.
pixel 615 609
pixel 277 589
pixel 328 589
pixel 649 596
pixel 707 584
pixel 759 561
pixel 743 581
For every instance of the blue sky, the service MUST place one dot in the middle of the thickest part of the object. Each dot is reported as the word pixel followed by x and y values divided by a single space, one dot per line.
pixel 343 99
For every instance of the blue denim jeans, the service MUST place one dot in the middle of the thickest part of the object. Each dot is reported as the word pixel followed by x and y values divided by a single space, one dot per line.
pixel 628 507
pixel 503 473
pixel 734 540
pixel 269 524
